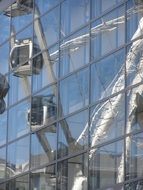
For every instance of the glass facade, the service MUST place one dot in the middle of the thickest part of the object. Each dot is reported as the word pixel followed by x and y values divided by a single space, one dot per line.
pixel 71 95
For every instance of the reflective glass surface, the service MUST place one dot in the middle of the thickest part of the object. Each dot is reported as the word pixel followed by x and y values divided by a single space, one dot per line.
pixel 134 109
pixel 74 92
pixel 19 88
pixel 20 183
pixel 2 186
pixel 46 28
pixel 44 5
pixel 134 64
pixel 73 15
pixel 18 122
pixel 101 6
pixel 43 108
pixel 106 166
pixel 107 120
pixel 4 27
pixel 107 33
pixel 45 68
pixel 21 14
pixel 43 146
pixel 3 128
pixel 71 94
pixel 134 185
pixel 74 52
pixel 107 76
pixel 18 157
pixel 73 134
pixel 134 19
pixel 44 178
pixel 72 173
pixel 134 152
pixel 2 163
pixel 4 54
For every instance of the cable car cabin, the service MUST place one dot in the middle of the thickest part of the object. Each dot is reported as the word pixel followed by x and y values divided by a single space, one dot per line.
pixel 43 109
pixel 20 59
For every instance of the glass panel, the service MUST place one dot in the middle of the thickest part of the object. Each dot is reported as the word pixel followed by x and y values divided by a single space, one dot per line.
pixel 107 33
pixel 100 6
pixel 46 28
pixel 47 69
pixel 20 183
pixel 18 157
pixel 135 109
pixel 4 56
pixel 43 146
pixel 73 14
pixel 44 108
pixel 134 152
pixel 72 173
pixel 106 165
pixel 18 121
pixel 73 134
pixel 74 52
pixel 134 63
pixel 21 53
pixel 2 163
pixel 107 120
pixel 45 5
pixel 74 92
pixel 134 19
pixel 2 186
pixel 135 185
pixel 44 179
pixel 21 14
pixel 19 88
pixel 4 27
pixel 5 90
pixel 107 76
pixel 3 128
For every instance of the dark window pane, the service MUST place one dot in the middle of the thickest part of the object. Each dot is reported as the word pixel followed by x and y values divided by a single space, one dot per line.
pixel 73 134
pixel 106 165
pixel 43 146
